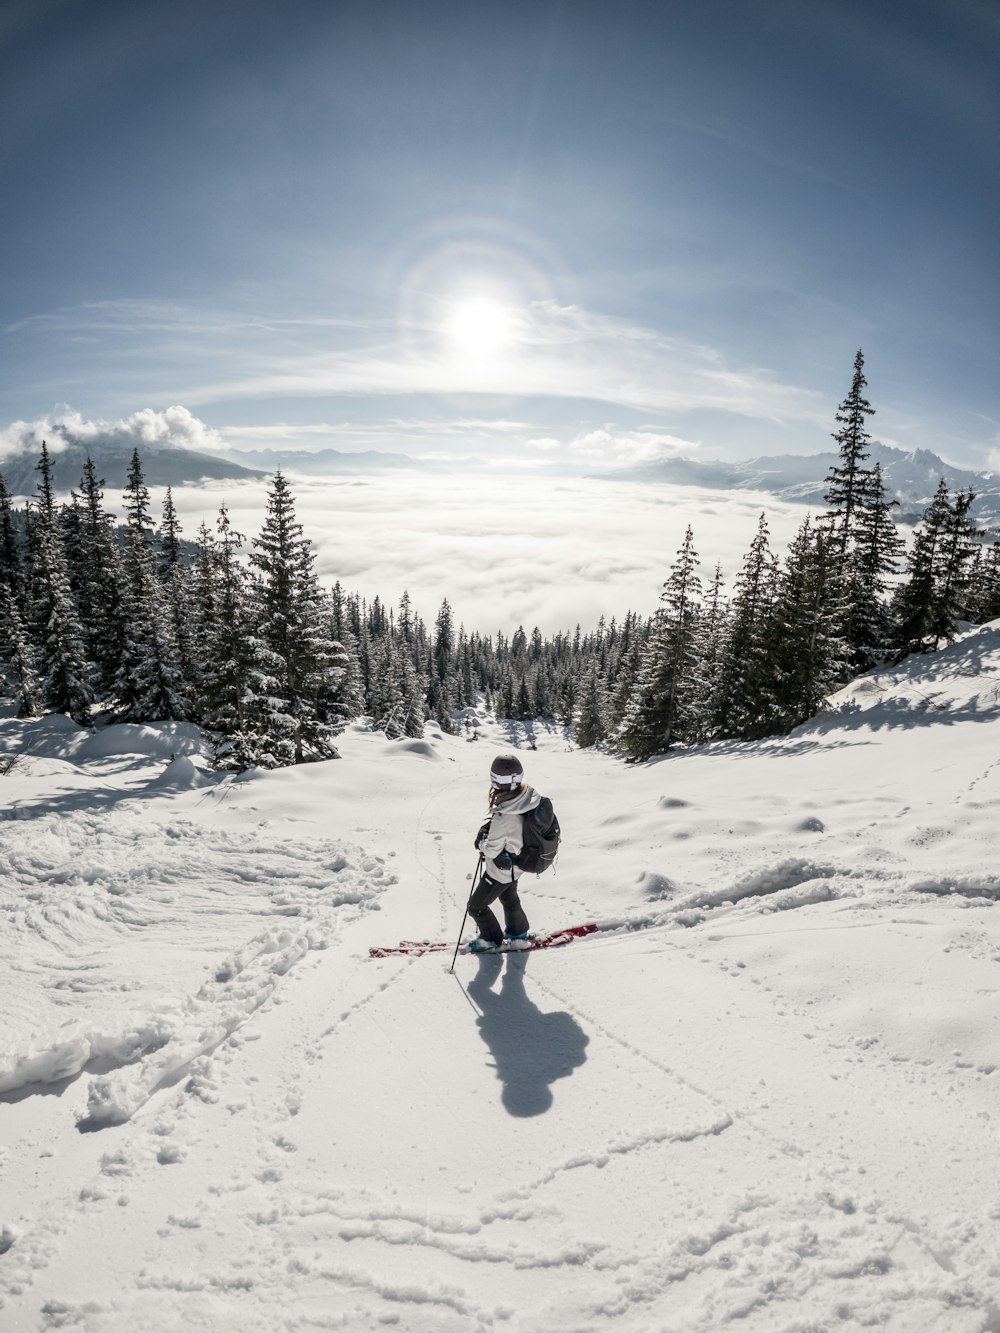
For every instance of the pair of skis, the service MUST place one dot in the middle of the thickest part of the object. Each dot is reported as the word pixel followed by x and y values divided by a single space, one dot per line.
pixel 553 940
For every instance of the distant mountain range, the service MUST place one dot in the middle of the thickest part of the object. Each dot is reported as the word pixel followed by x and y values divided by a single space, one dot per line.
pixel 909 477
pixel 168 466
pixel 322 462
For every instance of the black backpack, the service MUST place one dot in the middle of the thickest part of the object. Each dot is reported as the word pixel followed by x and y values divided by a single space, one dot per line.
pixel 541 834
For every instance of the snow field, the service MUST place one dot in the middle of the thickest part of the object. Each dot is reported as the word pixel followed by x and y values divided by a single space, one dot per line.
pixel 763 1097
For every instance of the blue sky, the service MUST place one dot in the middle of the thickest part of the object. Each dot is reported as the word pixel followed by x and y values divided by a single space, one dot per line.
pixel 555 232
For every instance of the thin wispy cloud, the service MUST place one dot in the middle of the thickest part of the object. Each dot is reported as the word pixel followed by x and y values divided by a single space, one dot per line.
pixel 559 352
pixel 309 433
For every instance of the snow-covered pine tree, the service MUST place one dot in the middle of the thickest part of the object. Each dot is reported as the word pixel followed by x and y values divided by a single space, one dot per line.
pixel 809 653
pixel 169 536
pixel 175 579
pixel 52 618
pixel 872 563
pixel 568 700
pixel 849 481
pixel 744 703
pixel 100 597
pixel 711 636
pixel 236 670
pixel 935 595
pixel 659 714
pixel 591 725
pixel 524 702
pixel 464 683
pixel 405 620
pixel 149 683
pixel 294 626
pixel 11 562
pixel 350 697
pixel 19 678
pixel 414 698
pixel 386 702
pixel 624 665
pixel 204 612
pixel 913 605
pixel 984 601
pixel 442 691
pixel 958 551
pixel 45 502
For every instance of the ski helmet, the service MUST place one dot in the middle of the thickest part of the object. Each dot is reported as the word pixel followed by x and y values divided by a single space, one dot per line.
pixel 506 773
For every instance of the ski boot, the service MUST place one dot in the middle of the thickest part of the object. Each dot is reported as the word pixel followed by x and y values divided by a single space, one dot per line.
pixel 479 945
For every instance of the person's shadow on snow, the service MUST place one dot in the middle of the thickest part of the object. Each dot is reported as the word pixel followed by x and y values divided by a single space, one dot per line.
pixel 530 1049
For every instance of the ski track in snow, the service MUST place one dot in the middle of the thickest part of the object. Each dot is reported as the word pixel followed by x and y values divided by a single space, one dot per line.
pixel 762 1097
pixel 89 896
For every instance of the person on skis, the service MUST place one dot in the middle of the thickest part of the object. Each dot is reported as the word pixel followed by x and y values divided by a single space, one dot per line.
pixel 499 841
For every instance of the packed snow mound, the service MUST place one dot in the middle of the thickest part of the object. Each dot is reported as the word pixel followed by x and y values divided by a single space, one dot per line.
pixel 54 736
pixel 154 740
pixel 959 682
pixel 180 773
pixel 422 749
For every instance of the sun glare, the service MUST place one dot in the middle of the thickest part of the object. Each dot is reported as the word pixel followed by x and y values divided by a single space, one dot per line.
pixel 479 327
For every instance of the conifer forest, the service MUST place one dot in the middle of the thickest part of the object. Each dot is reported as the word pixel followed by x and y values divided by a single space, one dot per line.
pixel 128 620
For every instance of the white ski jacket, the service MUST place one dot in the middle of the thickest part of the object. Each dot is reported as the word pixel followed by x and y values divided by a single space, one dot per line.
pixel 505 833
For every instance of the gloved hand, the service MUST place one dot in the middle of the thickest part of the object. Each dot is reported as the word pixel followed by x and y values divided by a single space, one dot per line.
pixel 504 860
pixel 484 829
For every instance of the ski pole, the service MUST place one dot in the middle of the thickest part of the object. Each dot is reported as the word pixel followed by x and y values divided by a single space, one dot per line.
pixel 475 880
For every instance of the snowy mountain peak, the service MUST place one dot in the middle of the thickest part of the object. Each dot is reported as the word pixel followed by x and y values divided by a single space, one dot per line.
pixel 911 477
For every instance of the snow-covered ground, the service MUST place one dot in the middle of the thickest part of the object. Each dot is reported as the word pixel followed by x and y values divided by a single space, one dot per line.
pixel 764 1096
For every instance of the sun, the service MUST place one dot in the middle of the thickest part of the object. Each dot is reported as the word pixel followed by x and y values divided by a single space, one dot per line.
pixel 478 327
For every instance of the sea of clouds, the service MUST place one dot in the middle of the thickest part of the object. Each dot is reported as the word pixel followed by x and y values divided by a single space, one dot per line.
pixel 507 542
pixel 518 549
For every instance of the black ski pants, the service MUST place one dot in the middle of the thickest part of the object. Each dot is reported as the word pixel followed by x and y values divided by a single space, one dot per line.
pixel 489 891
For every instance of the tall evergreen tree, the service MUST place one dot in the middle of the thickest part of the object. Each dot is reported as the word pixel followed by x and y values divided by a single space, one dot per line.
pixel 744 702
pixel 913 604
pixel 937 589
pixel 176 584
pixel 169 536
pixel 19 678
pixel 849 481
pixel 808 651
pixel 591 724
pixel 53 618
pixel 660 712
pixel 442 691
pixel 294 627
pixel 235 669
pixel 984 601
pixel 46 503
pixel 101 599
pixel 874 560
pixel 11 562
pixel 958 552
pixel 149 682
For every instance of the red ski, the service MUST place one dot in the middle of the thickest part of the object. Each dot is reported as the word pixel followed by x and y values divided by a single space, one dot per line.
pixel 552 940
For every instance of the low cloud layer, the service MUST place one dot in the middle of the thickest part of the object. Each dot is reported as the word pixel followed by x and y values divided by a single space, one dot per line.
pixel 609 445
pixel 521 551
pixel 176 427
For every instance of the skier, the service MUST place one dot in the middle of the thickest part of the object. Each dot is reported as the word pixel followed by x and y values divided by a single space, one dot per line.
pixel 499 841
